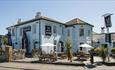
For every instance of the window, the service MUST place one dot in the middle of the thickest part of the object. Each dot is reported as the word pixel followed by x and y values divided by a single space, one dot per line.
pixel 54 29
pixel 113 44
pixel 62 30
pixel 9 30
pixel 20 31
pixel 68 32
pixel 13 32
pixel 48 30
pixel 81 32
pixel 34 28
pixel 88 33
pixel 55 43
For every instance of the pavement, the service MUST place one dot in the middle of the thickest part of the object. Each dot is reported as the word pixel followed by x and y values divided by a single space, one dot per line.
pixel 31 66
pixel 25 64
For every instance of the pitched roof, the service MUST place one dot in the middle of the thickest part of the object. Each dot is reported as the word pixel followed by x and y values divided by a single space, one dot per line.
pixel 35 19
pixel 77 21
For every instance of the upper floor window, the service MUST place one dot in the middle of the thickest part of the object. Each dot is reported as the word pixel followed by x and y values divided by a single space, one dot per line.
pixel 21 30
pixel 62 30
pixel 9 30
pixel 13 32
pixel 68 32
pixel 54 29
pixel 34 28
pixel 81 32
pixel 89 32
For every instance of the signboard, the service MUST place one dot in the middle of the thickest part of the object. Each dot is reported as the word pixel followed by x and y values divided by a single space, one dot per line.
pixel 108 21
pixel 28 28
pixel 48 30
pixel 108 38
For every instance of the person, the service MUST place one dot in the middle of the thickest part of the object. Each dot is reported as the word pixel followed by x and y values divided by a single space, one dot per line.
pixel 91 57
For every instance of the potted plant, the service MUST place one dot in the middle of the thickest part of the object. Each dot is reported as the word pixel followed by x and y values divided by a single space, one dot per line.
pixel 68 46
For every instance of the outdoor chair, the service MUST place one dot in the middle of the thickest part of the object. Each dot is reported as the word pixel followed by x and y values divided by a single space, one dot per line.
pixel 53 57
pixel 82 56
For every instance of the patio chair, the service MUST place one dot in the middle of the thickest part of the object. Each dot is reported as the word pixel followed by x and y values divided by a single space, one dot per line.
pixel 82 56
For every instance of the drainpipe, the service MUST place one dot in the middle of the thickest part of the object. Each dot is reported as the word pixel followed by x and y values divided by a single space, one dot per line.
pixel 39 33
pixel 92 36
pixel 16 39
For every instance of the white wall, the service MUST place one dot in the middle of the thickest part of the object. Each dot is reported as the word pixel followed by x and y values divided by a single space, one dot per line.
pixel 76 39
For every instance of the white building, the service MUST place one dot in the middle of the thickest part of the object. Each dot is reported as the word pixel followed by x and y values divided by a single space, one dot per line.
pixel 99 39
pixel 42 30
pixel 80 32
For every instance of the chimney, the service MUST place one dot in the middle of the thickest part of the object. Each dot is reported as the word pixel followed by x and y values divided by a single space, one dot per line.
pixel 102 29
pixel 19 21
pixel 38 15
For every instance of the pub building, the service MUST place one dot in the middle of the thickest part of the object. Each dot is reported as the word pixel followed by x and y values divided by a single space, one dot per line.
pixel 41 30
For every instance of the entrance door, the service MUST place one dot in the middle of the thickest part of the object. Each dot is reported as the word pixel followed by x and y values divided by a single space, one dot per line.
pixel 61 46
pixel 28 48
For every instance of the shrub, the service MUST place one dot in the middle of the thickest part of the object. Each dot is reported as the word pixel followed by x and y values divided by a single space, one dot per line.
pixel 113 50
pixel 103 53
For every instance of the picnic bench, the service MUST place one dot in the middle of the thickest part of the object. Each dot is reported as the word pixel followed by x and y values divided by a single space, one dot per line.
pixel 47 57
pixel 82 56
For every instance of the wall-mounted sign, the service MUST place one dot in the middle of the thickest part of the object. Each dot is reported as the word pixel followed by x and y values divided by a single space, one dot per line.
pixel 48 30
pixel 27 28
pixel 108 21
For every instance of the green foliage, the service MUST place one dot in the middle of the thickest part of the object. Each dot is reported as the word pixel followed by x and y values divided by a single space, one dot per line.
pixel 5 40
pixel 113 50
pixel 103 53
pixel 93 49
pixel 68 46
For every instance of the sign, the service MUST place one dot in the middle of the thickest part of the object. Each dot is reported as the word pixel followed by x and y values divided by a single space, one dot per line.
pixel 28 28
pixel 108 21
pixel 108 38
pixel 48 30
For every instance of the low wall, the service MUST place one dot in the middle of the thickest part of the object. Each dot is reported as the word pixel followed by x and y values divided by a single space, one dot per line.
pixel 3 56
pixel 18 54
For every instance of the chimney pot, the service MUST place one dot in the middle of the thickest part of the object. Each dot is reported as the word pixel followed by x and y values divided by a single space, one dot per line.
pixel 38 15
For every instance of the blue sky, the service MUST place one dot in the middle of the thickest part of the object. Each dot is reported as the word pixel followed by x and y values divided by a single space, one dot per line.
pixel 90 11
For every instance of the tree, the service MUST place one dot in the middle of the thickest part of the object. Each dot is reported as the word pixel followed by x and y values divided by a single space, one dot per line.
pixel 68 46
pixel 5 40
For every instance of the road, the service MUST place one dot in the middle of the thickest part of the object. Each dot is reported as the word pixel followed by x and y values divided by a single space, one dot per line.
pixel 36 66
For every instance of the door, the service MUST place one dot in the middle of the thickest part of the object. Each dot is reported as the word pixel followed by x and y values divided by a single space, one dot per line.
pixel 28 48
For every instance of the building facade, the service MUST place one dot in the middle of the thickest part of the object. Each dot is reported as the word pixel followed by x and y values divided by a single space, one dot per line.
pixel 80 32
pixel 99 39
pixel 42 30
